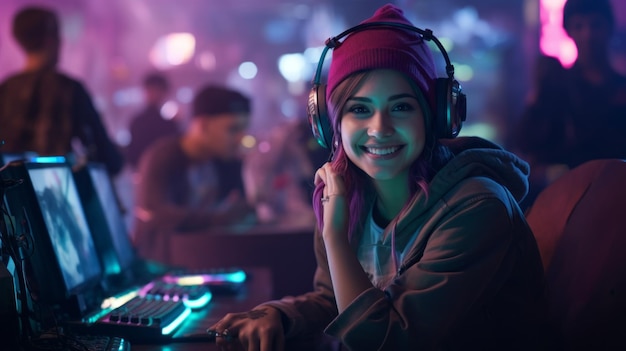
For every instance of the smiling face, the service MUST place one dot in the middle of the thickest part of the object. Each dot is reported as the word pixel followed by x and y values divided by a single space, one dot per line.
pixel 382 126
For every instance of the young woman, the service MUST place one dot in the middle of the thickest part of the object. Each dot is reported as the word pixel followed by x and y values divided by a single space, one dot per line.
pixel 420 245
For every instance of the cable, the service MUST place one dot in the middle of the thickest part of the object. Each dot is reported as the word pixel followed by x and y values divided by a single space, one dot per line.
pixel 13 244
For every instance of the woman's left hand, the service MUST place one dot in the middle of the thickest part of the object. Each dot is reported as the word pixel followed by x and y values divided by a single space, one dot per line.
pixel 334 202
pixel 260 329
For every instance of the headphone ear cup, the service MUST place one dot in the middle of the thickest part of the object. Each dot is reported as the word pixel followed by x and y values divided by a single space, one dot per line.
pixel 451 108
pixel 458 109
pixel 440 125
pixel 318 116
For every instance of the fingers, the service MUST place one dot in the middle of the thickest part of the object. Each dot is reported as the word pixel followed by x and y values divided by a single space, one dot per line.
pixel 320 176
pixel 226 339
pixel 224 334
pixel 333 182
pixel 255 330
pixel 218 329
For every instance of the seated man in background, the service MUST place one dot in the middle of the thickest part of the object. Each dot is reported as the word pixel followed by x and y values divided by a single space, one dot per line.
pixel 193 182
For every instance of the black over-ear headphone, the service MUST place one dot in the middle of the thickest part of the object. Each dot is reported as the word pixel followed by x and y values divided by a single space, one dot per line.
pixel 450 108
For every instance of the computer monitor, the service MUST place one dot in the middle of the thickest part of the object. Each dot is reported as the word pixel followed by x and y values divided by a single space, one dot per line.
pixel 61 254
pixel 104 216
pixel 7 157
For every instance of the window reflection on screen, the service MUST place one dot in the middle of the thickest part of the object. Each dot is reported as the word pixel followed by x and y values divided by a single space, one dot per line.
pixel 66 224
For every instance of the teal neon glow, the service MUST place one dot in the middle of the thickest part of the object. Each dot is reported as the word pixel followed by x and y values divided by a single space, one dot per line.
pixel 200 279
pixel 109 304
pixel 199 302
pixel 94 317
pixel 114 302
pixel 237 277
pixel 172 326
pixel 48 159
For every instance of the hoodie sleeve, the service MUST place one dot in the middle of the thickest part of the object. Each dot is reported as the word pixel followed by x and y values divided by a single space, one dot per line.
pixel 311 312
pixel 463 257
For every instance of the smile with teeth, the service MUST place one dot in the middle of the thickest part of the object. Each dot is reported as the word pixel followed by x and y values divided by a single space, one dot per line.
pixel 381 151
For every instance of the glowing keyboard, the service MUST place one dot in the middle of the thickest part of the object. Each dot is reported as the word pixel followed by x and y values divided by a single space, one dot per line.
pixel 149 314
pixel 193 296
pixel 56 340
pixel 141 319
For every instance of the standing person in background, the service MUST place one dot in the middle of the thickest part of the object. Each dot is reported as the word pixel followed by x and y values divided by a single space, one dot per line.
pixel 150 124
pixel 193 182
pixel 420 244
pixel 45 111
pixel 578 114
pixel 545 67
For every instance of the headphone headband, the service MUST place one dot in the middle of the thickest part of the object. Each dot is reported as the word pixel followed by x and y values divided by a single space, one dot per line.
pixel 427 34
pixel 450 100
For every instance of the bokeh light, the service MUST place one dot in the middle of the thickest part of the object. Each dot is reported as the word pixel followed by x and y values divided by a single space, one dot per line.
pixel 172 50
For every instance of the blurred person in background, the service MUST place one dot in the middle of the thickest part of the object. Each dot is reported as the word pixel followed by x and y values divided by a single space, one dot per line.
pixel 278 174
pixel 578 114
pixel 45 111
pixel 150 124
pixel 193 182
pixel 544 67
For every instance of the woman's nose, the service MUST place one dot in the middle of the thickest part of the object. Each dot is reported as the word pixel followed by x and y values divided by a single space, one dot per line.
pixel 380 125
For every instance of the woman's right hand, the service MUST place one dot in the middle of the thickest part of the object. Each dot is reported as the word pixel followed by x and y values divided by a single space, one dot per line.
pixel 260 329
pixel 335 206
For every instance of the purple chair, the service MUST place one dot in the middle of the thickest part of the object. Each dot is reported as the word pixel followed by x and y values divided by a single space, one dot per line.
pixel 579 222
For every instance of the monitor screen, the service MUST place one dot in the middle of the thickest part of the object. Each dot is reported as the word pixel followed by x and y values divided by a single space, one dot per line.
pixel 104 215
pixel 66 223
pixel 60 253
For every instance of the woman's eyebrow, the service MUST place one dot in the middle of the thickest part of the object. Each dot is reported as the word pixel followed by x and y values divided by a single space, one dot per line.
pixel 401 96
pixel 391 98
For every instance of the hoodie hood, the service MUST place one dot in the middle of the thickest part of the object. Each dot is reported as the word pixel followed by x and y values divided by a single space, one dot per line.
pixel 476 157
pixel 473 158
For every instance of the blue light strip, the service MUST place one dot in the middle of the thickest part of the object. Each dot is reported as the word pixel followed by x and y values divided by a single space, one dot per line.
pixel 200 279
pixel 199 302
pixel 48 159
pixel 172 326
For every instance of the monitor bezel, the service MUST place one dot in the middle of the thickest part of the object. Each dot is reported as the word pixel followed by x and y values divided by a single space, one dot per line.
pixel 23 203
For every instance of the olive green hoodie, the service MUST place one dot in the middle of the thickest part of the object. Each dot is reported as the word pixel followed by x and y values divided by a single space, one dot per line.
pixel 470 275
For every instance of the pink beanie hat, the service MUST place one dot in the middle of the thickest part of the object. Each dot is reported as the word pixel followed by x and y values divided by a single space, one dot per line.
pixel 385 47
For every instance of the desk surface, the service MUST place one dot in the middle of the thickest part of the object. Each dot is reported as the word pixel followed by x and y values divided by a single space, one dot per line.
pixel 258 290
pixel 287 251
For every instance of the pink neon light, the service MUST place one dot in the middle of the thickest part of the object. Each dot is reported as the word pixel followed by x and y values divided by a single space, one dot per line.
pixel 553 40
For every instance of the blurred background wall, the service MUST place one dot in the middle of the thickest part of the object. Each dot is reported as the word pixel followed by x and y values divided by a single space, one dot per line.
pixel 270 49
pixel 111 44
